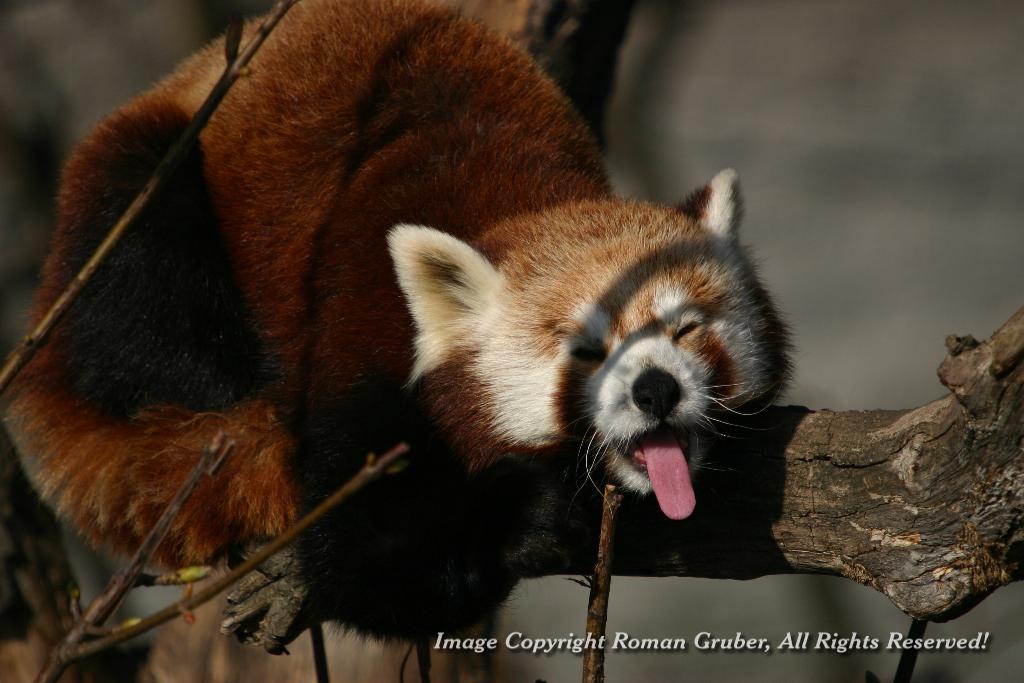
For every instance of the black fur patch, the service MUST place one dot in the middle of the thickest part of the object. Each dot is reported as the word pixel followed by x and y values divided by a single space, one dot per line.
pixel 162 320
pixel 430 548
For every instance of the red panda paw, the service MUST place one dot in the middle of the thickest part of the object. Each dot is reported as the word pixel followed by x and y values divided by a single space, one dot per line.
pixel 269 607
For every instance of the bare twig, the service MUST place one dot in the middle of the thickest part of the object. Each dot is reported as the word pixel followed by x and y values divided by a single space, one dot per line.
pixel 316 634
pixel 90 622
pixel 374 468
pixel 171 160
pixel 178 577
pixel 405 660
pixel 233 39
pixel 213 456
pixel 423 659
pixel 600 587
pixel 908 658
pixel 931 509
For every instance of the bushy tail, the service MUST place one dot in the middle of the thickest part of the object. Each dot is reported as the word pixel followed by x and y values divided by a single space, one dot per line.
pixel 112 478
pixel 157 355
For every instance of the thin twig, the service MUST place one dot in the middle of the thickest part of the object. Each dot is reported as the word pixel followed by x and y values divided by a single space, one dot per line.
pixel 90 623
pixel 316 633
pixel 178 577
pixel 75 601
pixel 105 605
pixel 423 659
pixel 22 353
pixel 908 658
pixel 373 469
pixel 600 587
pixel 213 457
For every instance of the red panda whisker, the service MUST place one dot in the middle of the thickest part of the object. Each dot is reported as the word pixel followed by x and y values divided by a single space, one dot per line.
pixel 703 421
pixel 590 468
pixel 738 426
pixel 573 423
pixel 713 468
pixel 766 406
pixel 581 455
pixel 602 452
pixel 583 484
pixel 579 449
pixel 737 412
pixel 723 406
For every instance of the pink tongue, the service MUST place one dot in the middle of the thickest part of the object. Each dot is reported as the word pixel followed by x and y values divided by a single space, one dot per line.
pixel 670 476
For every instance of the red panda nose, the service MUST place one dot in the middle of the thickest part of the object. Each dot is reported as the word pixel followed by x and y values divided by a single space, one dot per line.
pixel 656 392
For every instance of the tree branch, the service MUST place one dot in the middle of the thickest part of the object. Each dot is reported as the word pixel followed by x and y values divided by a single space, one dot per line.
pixel 600 587
pixel 925 505
pixel 375 467
pixel 237 63
pixel 91 621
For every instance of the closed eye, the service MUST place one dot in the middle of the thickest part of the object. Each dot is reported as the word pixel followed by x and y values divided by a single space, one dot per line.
pixel 686 329
pixel 588 354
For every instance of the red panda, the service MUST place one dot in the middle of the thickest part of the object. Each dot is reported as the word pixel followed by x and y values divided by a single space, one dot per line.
pixel 394 228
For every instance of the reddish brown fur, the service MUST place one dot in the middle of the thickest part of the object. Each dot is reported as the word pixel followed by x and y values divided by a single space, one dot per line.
pixel 710 347
pixel 357 116
pixel 114 478
pixel 633 250
pixel 696 204
pixel 341 131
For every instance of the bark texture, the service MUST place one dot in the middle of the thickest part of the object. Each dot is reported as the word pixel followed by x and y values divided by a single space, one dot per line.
pixel 925 505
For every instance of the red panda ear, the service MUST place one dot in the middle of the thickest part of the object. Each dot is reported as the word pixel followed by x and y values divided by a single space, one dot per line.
pixel 448 285
pixel 717 206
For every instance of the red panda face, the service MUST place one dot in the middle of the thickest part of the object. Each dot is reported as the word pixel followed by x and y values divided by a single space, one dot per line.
pixel 623 328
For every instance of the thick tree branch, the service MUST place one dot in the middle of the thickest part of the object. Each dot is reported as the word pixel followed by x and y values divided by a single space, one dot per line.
pixel 924 505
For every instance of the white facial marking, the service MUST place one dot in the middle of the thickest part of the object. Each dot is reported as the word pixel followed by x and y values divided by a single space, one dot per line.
pixel 620 421
pixel 610 389
pixel 669 304
pixel 674 310
pixel 520 381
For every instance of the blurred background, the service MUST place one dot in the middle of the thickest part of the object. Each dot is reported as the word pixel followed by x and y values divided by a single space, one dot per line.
pixel 881 150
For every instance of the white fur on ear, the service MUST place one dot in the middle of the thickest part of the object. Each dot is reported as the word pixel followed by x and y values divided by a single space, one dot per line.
pixel 448 285
pixel 724 207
